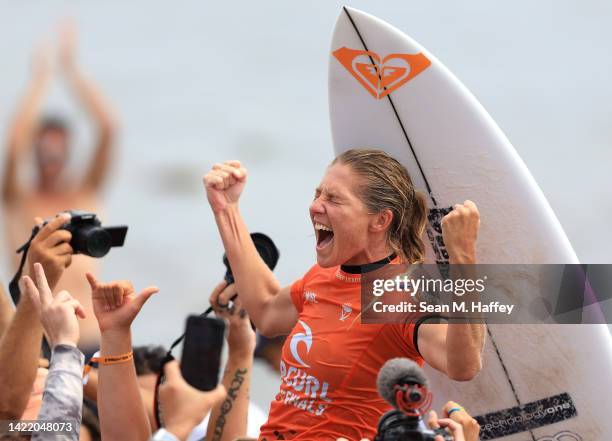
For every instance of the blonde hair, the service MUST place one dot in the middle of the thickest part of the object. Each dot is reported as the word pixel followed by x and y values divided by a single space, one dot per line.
pixel 386 185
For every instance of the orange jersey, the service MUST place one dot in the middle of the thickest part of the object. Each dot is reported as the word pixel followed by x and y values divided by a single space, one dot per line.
pixel 330 362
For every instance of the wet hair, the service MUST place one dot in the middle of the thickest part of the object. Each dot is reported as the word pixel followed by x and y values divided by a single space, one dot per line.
pixel 386 185
pixel 148 359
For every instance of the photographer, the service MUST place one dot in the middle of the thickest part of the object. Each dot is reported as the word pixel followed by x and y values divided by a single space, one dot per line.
pixel 457 421
pixel 20 344
pixel 229 419
pixel 232 416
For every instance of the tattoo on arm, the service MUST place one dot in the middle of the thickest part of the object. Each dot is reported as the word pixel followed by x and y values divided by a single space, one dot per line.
pixel 226 407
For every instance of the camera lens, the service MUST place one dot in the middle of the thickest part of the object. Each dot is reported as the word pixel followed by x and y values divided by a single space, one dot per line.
pixel 93 241
pixel 98 242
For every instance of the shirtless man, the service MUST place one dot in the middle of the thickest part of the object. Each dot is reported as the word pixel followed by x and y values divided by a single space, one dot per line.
pixel 49 138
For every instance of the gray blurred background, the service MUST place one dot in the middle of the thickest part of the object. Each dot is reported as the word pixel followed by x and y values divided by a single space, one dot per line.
pixel 200 82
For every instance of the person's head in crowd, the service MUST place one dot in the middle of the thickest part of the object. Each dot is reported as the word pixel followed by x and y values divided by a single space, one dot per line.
pixel 90 426
pixel 270 350
pixel 51 148
pixel 148 360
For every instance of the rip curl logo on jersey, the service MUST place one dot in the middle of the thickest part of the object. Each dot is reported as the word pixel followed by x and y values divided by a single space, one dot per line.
pixel 381 76
pixel 301 337
pixel 566 435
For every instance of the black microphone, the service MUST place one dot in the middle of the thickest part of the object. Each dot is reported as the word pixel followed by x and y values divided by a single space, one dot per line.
pixel 402 383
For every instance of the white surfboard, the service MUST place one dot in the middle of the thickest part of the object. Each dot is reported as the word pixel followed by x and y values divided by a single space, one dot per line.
pixel 539 382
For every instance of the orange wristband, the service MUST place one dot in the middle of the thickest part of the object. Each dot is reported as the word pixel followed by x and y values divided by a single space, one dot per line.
pixel 107 360
pixel 115 359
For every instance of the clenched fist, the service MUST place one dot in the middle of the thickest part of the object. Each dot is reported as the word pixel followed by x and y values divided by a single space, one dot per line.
pixel 224 184
pixel 460 231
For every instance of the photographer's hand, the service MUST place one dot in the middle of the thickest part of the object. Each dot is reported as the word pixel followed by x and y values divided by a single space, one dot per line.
pixel 471 428
pixel 241 337
pixel 58 313
pixel 51 248
pixel 455 429
pixel 184 406
pixel 229 418
pixel 20 345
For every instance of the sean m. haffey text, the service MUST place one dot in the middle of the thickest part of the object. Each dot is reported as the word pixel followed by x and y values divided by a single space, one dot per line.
pixel 453 286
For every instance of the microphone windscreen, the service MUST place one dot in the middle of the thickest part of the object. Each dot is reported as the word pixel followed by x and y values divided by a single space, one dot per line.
pixel 398 371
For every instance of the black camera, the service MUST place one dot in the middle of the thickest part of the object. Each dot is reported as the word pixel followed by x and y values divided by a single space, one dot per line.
pixel 266 249
pixel 89 237
pixel 397 426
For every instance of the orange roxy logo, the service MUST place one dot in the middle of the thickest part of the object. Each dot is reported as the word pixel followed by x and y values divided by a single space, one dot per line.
pixel 379 76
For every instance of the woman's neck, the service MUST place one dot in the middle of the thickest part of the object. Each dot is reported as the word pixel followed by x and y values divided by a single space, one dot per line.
pixel 369 266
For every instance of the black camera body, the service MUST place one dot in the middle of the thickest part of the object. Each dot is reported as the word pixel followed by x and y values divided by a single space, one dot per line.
pixel 397 426
pixel 89 237
pixel 266 249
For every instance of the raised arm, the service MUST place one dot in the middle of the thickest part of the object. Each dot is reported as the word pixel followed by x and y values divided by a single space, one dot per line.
pixel 63 396
pixel 456 348
pixel 6 310
pixel 122 412
pixel 20 344
pixel 95 103
pixel 229 418
pixel 269 307
pixel 22 128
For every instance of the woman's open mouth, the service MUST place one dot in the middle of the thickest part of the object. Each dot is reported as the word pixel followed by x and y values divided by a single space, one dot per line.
pixel 325 235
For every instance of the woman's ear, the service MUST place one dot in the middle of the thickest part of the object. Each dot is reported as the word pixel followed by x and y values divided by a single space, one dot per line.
pixel 381 221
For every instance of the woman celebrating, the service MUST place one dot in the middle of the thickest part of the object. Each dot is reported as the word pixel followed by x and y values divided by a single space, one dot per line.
pixel 365 211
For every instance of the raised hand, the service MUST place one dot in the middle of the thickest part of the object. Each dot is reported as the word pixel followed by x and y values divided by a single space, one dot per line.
pixel 460 231
pixel 116 304
pixel 453 427
pixel 51 248
pixel 471 428
pixel 224 184
pixel 184 406
pixel 68 43
pixel 42 60
pixel 58 313
pixel 241 337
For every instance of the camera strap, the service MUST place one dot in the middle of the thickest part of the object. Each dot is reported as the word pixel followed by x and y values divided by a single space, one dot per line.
pixel 14 285
pixel 16 292
pixel 170 357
